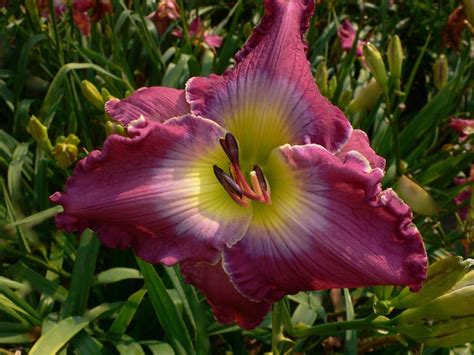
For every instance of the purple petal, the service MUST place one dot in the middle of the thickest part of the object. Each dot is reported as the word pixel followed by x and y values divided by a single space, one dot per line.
pixel 463 126
pixel 272 89
pixel 154 103
pixel 329 226
pixel 347 35
pixel 156 192
pixel 82 5
pixel 360 143
pixel 228 305
pixel 461 199
pixel 213 41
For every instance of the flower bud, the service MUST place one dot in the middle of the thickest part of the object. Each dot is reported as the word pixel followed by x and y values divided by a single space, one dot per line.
pixel 443 274
pixel 440 334
pixel 322 78
pixel 395 57
pixel 65 150
pixel 366 97
pixel 416 196
pixel 456 303
pixel 36 85
pixel 92 95
pixel 345 98
pixel 374 61
pixel 106 95
pixel 440 72
pixel 332 87
pixel 39 132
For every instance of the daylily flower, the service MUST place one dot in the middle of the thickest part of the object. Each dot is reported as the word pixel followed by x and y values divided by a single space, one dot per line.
pixel 252 181
pixel 198 34
pixel 347 36
pixel 166 12
pixel 464 197
pixel 464 126
pixel 80 12
pixel 452 32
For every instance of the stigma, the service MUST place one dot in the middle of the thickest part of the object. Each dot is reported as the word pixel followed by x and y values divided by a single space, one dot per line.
pixel 235 182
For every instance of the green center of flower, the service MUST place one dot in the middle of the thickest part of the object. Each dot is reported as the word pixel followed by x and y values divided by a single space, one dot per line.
pixel 235 182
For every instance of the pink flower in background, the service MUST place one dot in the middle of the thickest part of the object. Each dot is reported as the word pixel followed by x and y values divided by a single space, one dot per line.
pixel 463 198
pixel 80 11
pixel 167 12
pixel 347 35
pixel 251 180
pixel 198 34
pixel 82 5
pixel 464 126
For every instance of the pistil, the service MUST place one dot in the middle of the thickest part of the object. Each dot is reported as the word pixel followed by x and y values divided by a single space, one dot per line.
pixel 236 184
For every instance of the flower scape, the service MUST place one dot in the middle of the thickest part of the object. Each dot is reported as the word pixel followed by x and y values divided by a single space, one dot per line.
pixel 251 181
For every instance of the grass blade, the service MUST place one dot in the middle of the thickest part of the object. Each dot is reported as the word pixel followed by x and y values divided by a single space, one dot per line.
pixel 167 314
pixel 82 275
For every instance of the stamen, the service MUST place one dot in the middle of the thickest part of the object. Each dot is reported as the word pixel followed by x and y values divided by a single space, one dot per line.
pixel 235 182
pixel 229 184
pixel 232 188
pixel 261 178
pixel 263 184
pixel 231 147
pixel 255 184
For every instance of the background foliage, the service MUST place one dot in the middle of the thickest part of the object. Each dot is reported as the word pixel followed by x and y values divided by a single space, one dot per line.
pixel 61 293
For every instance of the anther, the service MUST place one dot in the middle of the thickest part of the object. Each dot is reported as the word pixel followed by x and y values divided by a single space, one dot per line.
pixel 231 148
pixel 229 184
pixel 260 177
pixel 262 183
pixel 232 188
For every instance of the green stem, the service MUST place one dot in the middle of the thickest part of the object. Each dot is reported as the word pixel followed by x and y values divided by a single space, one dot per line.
pixel 30 259
pixel 396 146
pixel 358 324
pixel 57 41
pixel 393 119
pixel 184 23
pixel 277 329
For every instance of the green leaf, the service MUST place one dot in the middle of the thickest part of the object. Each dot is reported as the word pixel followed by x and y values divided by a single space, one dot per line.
pixel 350 345
pixel 39 217
pixel 438 108
pixel 116 274
pixel 86 344
pixel 14 174
pixel 38 282
pixel 193 308
pixel 11 284
pixel 129 346
pixel 126 314
pixel 176 73
pixel 31 315
pixel 60 333
pixel 21 71
pixel 55 91
pixel 159 347
pixel 15 338
pixel 167 314
pixel 82 275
